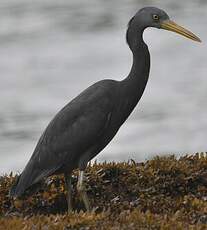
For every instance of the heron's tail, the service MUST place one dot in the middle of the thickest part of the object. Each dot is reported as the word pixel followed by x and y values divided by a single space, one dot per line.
pixel 22 183
pixel 14 191
pixel 28 181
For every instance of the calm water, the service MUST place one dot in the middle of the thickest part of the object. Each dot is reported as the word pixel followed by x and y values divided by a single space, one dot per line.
pixel 51 50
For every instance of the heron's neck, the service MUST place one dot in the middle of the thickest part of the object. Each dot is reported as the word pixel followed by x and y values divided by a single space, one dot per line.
pixel 139 72
pixel 134 84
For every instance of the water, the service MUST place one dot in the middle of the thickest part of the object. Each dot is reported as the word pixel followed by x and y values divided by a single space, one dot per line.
pixel 51 50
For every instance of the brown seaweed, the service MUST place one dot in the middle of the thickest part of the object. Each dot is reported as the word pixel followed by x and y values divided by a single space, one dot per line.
pixel 162 193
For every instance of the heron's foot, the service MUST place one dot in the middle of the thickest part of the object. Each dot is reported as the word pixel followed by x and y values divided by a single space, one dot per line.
pixel 70 207
pixel 83 194
pixel 82 191
pixel 69 202
pixel 69 192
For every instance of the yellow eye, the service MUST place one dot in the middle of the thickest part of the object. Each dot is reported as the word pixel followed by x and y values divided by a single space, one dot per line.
pixel 155 17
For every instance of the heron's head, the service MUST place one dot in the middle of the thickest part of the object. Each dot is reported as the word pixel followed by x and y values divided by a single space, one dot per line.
pixel 154 17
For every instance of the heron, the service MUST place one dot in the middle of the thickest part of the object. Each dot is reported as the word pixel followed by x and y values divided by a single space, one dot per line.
pixel 87 124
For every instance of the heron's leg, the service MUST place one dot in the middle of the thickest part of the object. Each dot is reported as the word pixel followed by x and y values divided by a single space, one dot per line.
pixel 69 191
pixel 82 191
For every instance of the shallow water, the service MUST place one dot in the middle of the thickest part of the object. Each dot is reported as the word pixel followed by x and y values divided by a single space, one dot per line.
pixel 51 50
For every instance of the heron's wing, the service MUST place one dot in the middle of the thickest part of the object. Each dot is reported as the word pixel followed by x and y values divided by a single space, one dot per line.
pixel 72 131
pixel 79 124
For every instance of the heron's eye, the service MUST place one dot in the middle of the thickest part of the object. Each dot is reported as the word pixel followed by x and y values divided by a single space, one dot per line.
pixel 155 17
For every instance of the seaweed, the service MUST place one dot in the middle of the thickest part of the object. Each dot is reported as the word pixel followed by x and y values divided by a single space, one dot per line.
pixel 163 193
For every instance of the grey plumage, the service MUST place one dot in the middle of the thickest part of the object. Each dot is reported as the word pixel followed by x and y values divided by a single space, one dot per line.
pixel 90 121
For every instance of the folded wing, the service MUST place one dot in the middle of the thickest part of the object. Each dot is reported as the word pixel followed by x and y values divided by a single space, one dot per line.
pixel 72 131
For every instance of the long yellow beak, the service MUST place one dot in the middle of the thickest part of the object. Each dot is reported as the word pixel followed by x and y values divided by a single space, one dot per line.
pixel 172 26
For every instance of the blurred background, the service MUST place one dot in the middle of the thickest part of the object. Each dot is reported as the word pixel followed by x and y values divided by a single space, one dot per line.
pixel 51 50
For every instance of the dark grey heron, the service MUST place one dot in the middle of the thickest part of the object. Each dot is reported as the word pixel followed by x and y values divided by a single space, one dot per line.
pixel 91 120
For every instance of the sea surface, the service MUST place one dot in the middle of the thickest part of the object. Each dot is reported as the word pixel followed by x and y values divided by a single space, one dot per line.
pixel 52 50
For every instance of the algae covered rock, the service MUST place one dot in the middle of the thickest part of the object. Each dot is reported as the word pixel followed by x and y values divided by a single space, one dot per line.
pixel 162 193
